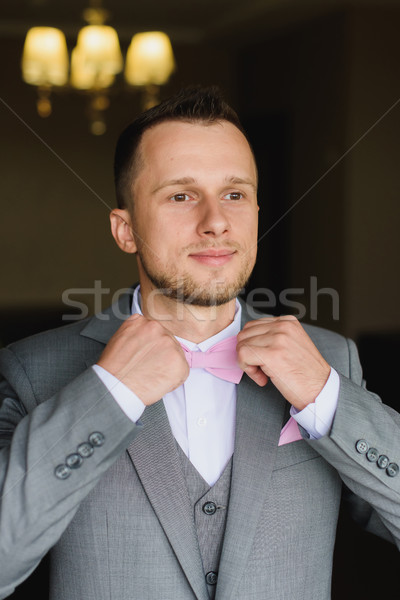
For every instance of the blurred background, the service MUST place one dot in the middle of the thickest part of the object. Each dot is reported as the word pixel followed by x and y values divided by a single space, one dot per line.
pixel 317 85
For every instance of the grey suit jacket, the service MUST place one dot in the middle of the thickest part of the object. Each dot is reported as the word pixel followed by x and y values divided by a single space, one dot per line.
pixel 121 527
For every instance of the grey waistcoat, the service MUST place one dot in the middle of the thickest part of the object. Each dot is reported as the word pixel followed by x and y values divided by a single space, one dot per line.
pixel 210 508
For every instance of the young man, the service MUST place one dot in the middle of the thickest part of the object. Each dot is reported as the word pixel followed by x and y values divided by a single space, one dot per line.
pixel 158 454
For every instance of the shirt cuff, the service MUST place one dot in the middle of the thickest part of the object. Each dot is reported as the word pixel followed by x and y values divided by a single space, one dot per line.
pixel 131 405
pixel 317 418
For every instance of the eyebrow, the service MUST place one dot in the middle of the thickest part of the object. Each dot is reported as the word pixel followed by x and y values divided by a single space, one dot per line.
pixel 170 182
pixel 190 180
pixel 241 181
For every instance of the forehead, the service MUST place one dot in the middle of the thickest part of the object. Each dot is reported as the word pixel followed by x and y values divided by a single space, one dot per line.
pixel 174 145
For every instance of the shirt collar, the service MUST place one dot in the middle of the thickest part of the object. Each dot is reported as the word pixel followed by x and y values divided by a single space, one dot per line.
pixel 232 329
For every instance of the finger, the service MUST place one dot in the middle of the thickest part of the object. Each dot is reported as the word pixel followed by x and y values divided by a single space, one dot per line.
pixel 268 327
pixel 251 324
pixel 265 328
pixel 281 318
pixel 262 325
pixel 256 374
pixel 251 364
pixel 260 339
pixel 247 334
pixel 135 316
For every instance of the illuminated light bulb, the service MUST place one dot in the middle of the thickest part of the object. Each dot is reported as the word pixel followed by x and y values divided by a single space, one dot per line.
pixel 149 59
pixel 45 57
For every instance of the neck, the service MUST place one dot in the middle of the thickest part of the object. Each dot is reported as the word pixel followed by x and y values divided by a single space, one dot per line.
pixel 193 323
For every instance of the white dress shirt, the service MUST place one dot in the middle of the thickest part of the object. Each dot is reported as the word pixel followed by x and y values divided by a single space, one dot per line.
pixel 202 411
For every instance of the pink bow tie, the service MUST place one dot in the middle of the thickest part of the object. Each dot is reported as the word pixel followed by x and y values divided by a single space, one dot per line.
pixel 220 360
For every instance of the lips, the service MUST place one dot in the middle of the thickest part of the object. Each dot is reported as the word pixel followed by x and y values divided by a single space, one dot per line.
pixel 213 256
pixel 214 252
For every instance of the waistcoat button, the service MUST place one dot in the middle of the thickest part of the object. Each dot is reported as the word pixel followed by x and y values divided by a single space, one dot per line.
pixel 209 508
pixel 212 578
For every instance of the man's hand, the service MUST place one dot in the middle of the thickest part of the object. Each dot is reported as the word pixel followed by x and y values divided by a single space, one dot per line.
pixel 146 358
pixel 278 348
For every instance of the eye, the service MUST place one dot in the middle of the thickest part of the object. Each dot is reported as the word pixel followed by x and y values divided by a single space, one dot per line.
pixel 234 196
pixel 180 197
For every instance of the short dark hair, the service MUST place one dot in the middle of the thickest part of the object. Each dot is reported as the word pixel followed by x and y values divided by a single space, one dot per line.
pixel 192 104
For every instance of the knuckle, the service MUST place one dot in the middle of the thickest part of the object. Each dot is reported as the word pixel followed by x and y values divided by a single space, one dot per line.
pixel 246 354
pixel 183 373
pixel 134 320
pixel 288 321
pixel 241 349
pixel 153 327
pixel 280 338
pixel 289 318
pixel 285 326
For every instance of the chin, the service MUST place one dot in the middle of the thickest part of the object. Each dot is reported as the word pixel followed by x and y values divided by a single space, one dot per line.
pixel 207 299
pixel 213 290
pixel 204 294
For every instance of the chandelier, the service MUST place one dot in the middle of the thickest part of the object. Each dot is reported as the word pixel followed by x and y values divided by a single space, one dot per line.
pixel 95 62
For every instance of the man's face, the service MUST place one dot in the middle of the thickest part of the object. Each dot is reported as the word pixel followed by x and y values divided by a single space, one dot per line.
pixel 195 211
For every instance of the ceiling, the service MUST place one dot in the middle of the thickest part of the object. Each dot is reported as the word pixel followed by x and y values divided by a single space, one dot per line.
pixel 185 21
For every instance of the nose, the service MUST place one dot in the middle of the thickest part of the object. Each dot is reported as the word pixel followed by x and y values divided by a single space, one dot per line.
pixel 213 220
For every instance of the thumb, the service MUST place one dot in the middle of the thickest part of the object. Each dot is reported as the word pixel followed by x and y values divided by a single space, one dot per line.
pixel 256 374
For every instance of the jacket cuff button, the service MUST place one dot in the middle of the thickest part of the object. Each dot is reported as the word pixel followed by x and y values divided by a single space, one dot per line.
pixel 392 469
pixel 372 455
pixel 96 438
pixel 85 449
pixel 62 472
pixel 362 446
pixel 74 461
pixel 383 461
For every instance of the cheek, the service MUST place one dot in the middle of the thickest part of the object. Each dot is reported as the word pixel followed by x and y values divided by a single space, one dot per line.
pixel 250 240
pixel 248 228
pixel 167 243
pixel 167 226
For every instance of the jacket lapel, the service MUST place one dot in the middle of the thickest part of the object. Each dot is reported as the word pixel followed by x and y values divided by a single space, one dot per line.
pixel 259 419
pixel 103 325
pixel 156 460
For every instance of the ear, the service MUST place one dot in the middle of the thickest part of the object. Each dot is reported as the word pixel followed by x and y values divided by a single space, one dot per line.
pixel 122 230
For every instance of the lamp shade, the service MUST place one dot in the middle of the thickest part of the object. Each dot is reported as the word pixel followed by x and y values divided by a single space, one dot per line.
pixel 149 59
pixel 45 57
pixel 84 76
pixel 99 49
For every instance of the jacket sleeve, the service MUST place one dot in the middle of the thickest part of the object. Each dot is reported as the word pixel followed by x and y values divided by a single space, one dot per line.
pixel 364 430
pixel 39 492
